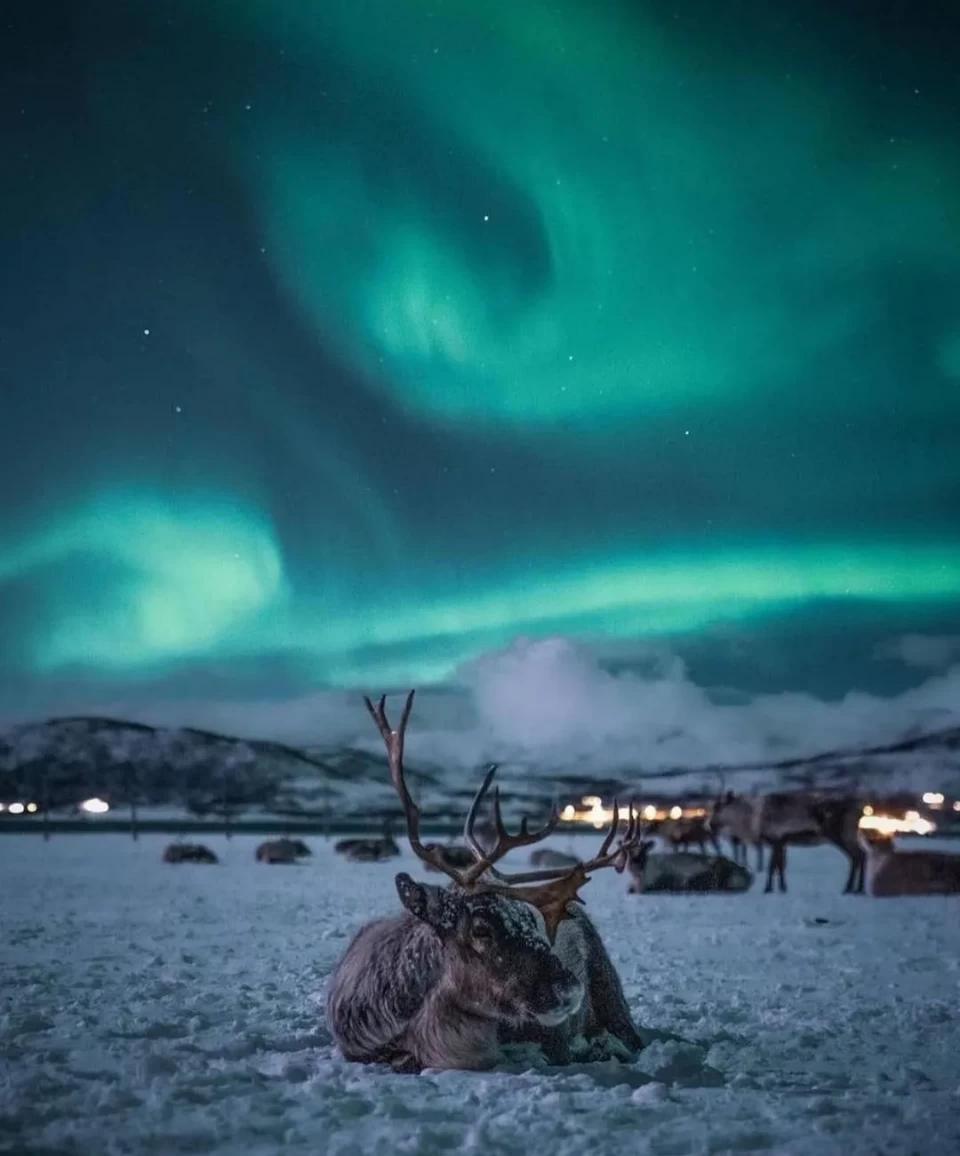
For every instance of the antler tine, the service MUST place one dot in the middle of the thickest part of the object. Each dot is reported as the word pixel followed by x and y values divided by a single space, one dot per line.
pixel 614 828
pixel 468 827
pixel 617 858
pixel 505 840
pixel 393 740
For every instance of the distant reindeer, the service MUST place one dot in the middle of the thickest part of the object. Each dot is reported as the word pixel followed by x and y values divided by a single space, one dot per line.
pixel 452 856
pixel 189 853
pixel 891 872
pixel 491 959
pixel 459 856
pixel 368 850
pixel 778 820
pixel 733 815
pixel 680 833
pixel 547 857
pixel 681 871
pixel 282 851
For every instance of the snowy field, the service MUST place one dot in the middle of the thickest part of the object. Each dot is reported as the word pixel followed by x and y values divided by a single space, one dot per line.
pixel 156 1009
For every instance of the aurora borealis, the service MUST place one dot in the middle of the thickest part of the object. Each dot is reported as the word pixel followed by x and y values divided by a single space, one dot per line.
pixel 342 343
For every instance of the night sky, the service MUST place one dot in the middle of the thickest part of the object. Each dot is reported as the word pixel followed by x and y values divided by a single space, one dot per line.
pixel 342 343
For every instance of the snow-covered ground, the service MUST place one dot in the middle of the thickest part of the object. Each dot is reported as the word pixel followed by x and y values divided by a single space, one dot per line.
pixel 146 1008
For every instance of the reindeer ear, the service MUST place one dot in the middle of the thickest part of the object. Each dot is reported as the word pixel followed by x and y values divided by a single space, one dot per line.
pixel 428 903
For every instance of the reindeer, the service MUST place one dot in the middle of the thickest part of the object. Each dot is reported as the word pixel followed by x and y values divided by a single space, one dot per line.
pixel 733 816
pixel 680 833
pixel 189 853
pixel 781 819
pixel 453 856
pixel 682 871
pixel 368 850
pixel 891 872
pixel 547 857
pixel 491 959
pixel 282 851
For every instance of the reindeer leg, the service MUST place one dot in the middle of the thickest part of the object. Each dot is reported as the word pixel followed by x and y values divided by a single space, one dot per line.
pixel 782 865
pixel 607 1010
pixel 770 867
pixel 759 855
pixel 861 863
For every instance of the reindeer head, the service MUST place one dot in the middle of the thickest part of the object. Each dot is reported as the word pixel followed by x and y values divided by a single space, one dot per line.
pixel 550 891
pixel 499 959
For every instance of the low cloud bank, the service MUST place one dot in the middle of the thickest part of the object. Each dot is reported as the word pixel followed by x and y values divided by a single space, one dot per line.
pixel 551 706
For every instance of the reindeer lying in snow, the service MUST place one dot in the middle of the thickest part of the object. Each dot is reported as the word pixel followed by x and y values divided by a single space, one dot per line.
pixel 189 853
pixel 282 851
pixel 547 857
pixel 492 959
pixel 368 850
pixel 891 872
pixel 447 857
pixel 682 871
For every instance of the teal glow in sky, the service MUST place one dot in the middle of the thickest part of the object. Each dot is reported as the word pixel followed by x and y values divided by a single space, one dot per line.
pixel 344 343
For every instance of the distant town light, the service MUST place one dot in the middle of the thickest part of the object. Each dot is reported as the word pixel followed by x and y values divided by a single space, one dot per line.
pixel 3 807
pixel 910 824
pixel 95 806
pixel 592 801
pixel 568 812
pixel 597 815
pixel 31 807
pixel 16 808
pixel 868 810
pixel 933 798
pixel 956 805
pixel 676 812
pixel 649 812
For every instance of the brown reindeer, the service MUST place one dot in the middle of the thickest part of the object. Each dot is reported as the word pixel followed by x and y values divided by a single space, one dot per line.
pixel 491 959
pixel 282 851
pixel 779 820
pixel 891 872
pixel 733 815
pixel 367 850
pixel 682 871
pixel 452 856
pixel 547 857
pixel 680 833
pixel 189 853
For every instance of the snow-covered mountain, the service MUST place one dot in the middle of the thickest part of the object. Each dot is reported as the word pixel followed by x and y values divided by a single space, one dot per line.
pixel 63 760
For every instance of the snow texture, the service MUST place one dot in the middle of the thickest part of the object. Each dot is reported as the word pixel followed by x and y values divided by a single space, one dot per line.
pixel 147 1008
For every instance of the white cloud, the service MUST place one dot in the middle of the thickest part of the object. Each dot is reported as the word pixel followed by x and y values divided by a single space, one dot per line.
pixel 551 703
pixel 545 706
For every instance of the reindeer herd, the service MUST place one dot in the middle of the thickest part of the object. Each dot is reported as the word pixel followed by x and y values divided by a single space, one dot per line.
pixel 497 958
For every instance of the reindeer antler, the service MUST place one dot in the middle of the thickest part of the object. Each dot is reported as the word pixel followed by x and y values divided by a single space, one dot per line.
pixel 393 740
pixel 605 857
pixel 506 842
pixel 559 886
